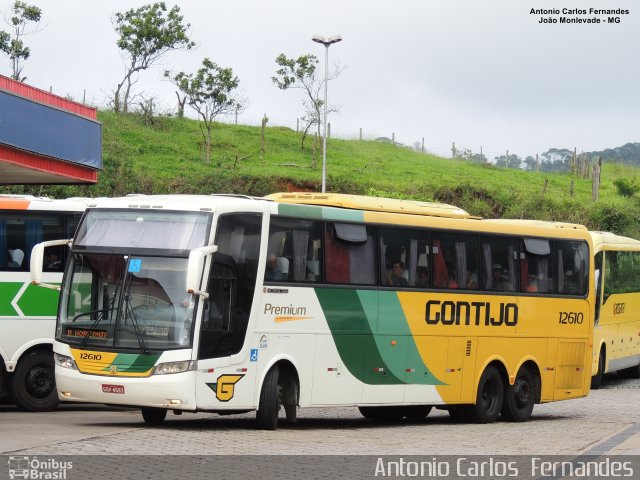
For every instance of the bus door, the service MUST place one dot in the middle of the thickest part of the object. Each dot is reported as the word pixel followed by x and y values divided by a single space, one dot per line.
pixel 225 376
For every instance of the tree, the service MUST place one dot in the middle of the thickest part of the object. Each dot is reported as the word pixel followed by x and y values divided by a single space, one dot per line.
pixel 302 73
pixel 146 34
pixel 18 18
pixel 210 92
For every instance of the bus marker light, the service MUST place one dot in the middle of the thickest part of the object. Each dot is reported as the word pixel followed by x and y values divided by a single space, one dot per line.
pixel 410 370
pixel 241 370
pixel 66 394
pixel 379 369
pixel 332 369
pixel 394 343
pixel 175 402
pixel 211 370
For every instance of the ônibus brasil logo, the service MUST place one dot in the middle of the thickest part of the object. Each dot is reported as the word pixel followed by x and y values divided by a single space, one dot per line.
pixel 36 469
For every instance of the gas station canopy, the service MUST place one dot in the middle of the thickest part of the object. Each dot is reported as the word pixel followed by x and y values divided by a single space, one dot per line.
pixel 46 139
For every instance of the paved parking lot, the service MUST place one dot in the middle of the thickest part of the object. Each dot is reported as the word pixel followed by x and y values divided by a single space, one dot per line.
pixel 606 422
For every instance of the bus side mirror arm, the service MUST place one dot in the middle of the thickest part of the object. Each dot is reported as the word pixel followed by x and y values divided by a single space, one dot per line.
pixel 37 261
pixel 195 267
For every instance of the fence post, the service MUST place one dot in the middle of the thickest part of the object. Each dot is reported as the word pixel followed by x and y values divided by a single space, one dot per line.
pixel 595 185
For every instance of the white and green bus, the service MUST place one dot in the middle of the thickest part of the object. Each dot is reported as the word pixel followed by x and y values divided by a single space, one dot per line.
pixel 616 345
pixel 27 313
pixel 233 304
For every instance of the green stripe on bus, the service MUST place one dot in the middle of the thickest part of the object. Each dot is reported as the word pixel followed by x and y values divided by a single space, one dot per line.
pixel 397 329
pixel 133 362
pixel 8 291
pixel 312 212
pixel 376 359
pixel 352 334
pixel 39 302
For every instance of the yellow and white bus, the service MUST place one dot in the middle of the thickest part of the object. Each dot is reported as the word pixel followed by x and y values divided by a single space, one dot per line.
pixel 617 313
pixel 232 304
pixel 27 313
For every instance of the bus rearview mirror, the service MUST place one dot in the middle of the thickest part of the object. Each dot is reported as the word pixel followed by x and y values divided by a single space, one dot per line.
pixel 37 262
pixel 195 267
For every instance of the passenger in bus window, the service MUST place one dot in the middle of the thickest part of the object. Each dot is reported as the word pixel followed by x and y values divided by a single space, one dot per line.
pixel 54 262
pixel 423 278
pixel 452 282
pixel 15 258
pixel 397 276
pixel 532 283
pixel 275 268
pixel 499 282
pixel 570 284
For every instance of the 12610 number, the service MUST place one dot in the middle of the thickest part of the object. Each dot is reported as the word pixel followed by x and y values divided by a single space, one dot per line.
pixel 571 318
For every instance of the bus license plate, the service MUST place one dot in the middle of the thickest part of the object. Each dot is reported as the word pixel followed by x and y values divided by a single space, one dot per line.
pixel 106 388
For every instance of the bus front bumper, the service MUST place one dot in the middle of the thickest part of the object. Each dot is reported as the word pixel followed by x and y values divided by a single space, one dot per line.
pixel 173 391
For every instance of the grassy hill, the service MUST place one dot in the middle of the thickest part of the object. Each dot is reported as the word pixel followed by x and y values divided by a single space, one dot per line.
pixel 165 155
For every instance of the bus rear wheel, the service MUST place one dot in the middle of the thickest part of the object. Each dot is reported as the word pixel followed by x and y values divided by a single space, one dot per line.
pixel 520 397
pixel 33 386
pixel 488 399
pixel 153 416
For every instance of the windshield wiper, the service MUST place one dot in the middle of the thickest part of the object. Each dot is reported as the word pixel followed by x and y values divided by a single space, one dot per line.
pixel 136 327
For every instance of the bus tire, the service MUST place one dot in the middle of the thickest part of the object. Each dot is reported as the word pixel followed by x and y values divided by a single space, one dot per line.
pixel 596 380
pixel 33 386
pixel 267 413
pixel 520 397
pixel 387 414
pixel 416 412
pixel 488 399
pixel 153 416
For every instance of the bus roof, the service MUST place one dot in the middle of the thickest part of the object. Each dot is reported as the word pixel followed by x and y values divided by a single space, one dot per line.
pixel 29 202
pixel 611 241
pixel 374 204
pixel 537 223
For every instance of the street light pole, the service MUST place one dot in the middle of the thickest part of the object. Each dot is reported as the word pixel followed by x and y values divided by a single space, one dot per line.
pixel 327 42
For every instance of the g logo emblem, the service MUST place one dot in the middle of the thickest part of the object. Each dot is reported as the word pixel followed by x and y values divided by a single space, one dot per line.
pixel 113 369
pixel 224 387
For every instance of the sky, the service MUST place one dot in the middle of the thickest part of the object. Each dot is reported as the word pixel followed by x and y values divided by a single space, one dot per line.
pixel 484 74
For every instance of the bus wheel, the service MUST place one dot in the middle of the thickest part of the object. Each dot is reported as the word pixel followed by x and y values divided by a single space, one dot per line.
pixel 267 414
pixel 596 380
pixel 488 399
pixel 520 397
pixel 154 416
pixel 416 412
pixel 34 386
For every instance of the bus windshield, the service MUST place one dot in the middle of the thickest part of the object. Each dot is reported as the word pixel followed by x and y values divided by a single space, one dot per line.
pixel 129 302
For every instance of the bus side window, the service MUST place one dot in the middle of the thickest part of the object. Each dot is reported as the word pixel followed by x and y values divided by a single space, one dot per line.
pixel 350 254
pixel 498 264
pixel 294 251
pixel 536 266
pixel 573 267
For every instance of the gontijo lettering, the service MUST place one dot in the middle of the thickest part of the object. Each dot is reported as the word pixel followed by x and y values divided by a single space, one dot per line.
pixel 471 313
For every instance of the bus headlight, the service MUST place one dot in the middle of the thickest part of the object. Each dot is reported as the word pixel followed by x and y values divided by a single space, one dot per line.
pixel 64 361
pixel 174 367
